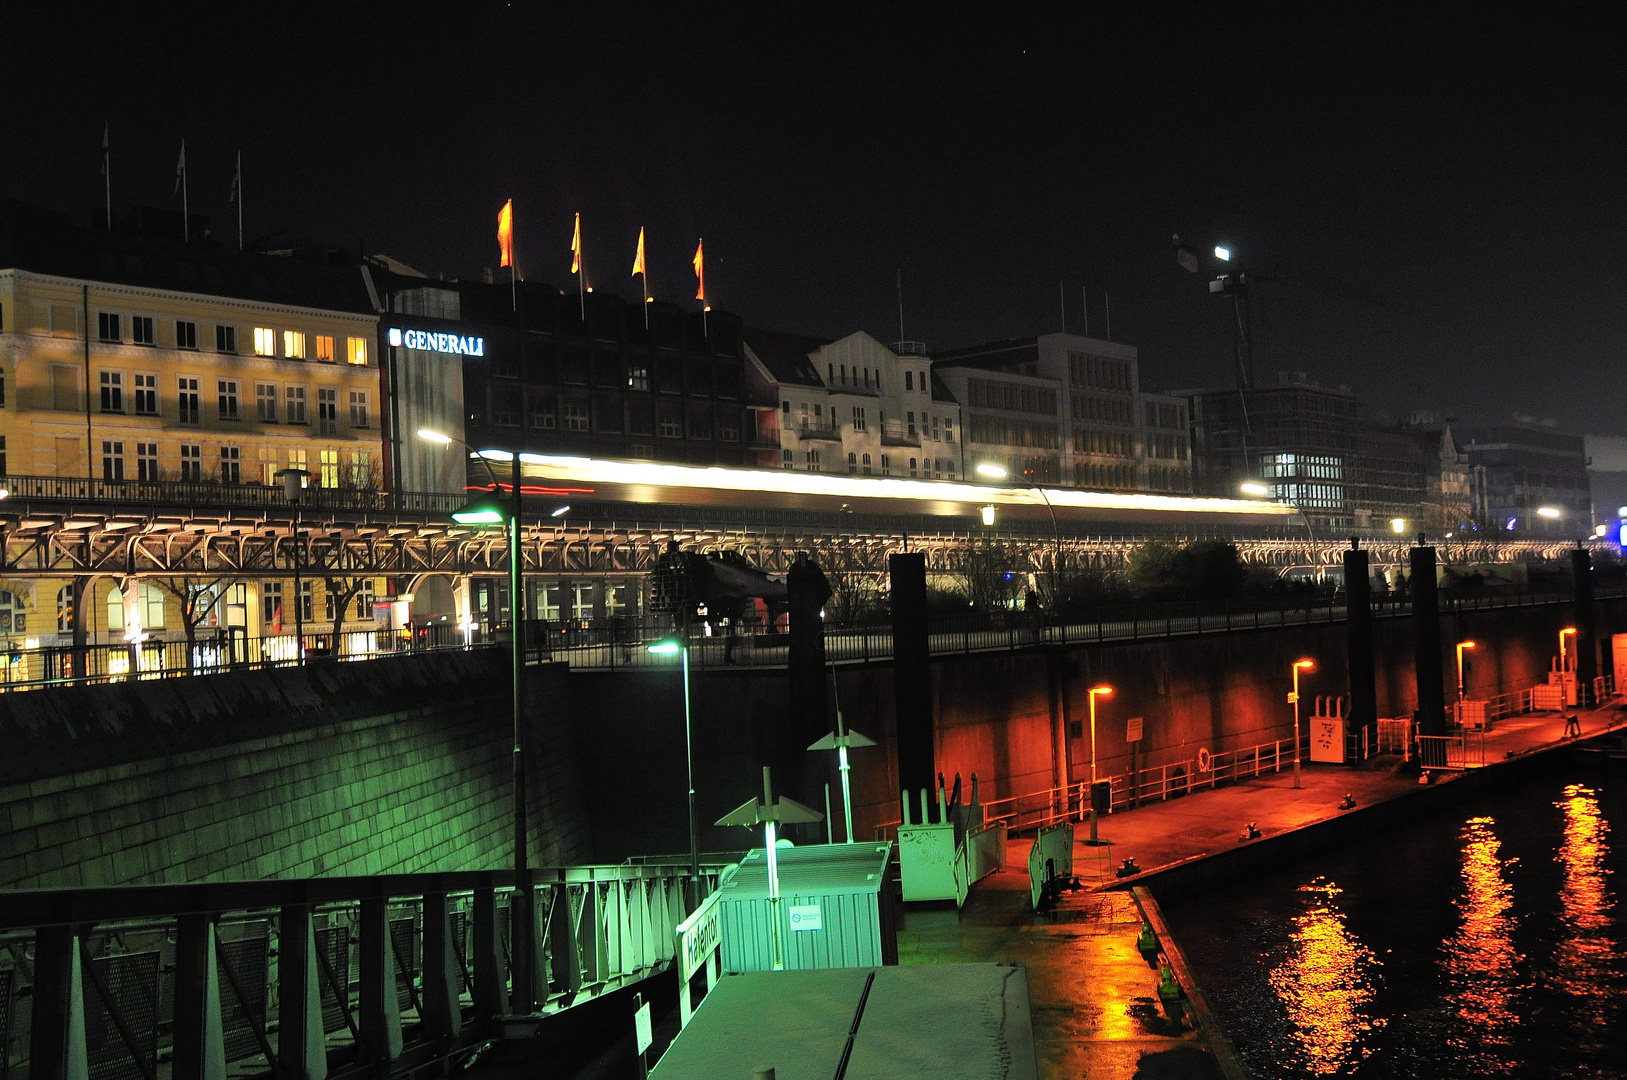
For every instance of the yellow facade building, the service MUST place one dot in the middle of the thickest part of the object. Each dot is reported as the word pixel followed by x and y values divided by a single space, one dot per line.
pixel 129 359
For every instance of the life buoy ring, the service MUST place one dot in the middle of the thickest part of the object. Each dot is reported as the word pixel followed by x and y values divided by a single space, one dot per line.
pixel 1204 760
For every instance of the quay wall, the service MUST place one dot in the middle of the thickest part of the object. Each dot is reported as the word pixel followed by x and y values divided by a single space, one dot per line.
pixel 403 764
pixel 388 766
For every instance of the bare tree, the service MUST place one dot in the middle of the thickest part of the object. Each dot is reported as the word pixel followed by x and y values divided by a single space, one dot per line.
pixel 196 599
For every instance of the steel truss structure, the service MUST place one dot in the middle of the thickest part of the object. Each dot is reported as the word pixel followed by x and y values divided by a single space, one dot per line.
pixel 51 540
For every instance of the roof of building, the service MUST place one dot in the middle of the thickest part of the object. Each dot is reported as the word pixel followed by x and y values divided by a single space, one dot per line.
pixel 145 249
pixel 785 356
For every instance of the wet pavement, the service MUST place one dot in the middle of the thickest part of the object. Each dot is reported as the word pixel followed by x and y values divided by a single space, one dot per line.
pixel 1094 996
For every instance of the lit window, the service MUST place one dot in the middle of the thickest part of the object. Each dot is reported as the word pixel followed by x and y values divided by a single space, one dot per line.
pixel 330 468
pixel 324 348
pixel 356 350
pixel 293 344
pixel 361 470
pixel 265 341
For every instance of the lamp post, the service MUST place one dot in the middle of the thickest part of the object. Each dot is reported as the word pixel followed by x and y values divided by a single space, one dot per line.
pixel 1095 692
pixel 995 471
pixel 680 645
pixel 293 486
pixel 1293 700
pixel 1462 645
pixel 492 510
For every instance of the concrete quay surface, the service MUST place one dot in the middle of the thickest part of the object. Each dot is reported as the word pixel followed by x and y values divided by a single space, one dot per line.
pixel 1094 997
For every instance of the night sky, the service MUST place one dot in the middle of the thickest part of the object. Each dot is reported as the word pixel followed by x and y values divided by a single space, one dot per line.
pixel 1469 178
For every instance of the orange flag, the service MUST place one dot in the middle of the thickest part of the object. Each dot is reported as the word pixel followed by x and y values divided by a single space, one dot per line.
pixel 576 247
pixel 700 270
pixel 505 233
pixel 638 260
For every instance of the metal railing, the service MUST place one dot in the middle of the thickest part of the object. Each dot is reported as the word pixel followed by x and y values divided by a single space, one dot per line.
pixel 377 975
pixel 60 665
pixel 619 642
pixel 1160 783
pixel 1452 753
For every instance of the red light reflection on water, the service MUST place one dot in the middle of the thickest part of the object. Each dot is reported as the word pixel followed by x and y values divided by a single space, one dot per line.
pixel 1325 984
pixel 1480 958
pixel 1586 955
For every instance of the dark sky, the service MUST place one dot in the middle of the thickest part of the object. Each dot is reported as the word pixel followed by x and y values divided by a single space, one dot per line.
pixel 1471 176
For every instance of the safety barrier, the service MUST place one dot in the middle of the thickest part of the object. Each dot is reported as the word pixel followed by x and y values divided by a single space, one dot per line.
pixel 389 973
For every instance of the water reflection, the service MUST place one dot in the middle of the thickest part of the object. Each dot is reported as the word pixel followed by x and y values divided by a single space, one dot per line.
pixel 1480 958
pixel 1325 983
pixel 1585 953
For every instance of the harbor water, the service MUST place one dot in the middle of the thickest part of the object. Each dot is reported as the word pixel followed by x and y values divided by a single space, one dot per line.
pixel 1482 940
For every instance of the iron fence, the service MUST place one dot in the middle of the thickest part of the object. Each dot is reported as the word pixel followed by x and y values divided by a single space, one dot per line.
pixel 382 975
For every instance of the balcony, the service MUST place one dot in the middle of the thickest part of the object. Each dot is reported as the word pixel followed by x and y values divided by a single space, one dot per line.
pixel 828 430
pixel 898 433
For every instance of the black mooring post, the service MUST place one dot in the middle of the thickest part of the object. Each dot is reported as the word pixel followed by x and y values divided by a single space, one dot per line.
pixel 1587 657
pixel 807 590
pixel 912 673
pixel 1359 638
pixel 1426 644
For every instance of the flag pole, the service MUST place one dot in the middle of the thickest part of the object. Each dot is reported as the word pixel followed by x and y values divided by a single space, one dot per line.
pixel 186 216
pixel 240 200
pixel 513 263
pixel 107 174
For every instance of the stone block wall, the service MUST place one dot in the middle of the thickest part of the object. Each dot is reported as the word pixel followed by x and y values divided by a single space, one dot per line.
pixel 389 789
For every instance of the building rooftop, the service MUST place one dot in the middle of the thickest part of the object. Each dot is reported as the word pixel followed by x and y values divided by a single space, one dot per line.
pixel 786 355
pixel 145 249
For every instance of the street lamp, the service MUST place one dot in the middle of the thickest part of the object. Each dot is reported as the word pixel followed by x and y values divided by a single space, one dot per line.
pixel 489 510
pixel 1257 490
pixel 995 471
pixel 1293 699
pixel 1562 633
pixel 679 645
pixel 1462 645
pixel 1548 511
pixel 1095 691
pixel 1398 525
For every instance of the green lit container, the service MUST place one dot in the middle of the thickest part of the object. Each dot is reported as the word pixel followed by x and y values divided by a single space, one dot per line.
pixel 852 887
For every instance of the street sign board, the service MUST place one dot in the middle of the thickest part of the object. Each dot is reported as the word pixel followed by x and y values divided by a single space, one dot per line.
pixel 807 917
pixel 1132 729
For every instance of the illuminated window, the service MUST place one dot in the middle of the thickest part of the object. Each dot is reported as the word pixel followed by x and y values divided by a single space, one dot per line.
pixel 356 350
pixel 330 468
pixel 293 344
pixel 361 470
pixel 324 348
pixel 265 341
pixel 150 604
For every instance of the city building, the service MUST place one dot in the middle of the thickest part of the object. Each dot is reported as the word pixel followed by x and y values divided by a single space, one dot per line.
pixel 1607 480
pixel 129 356
pixel 1307 444
pixel 1448 506
pixel 1069 410
pixel 1527 479
pixel 854 406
